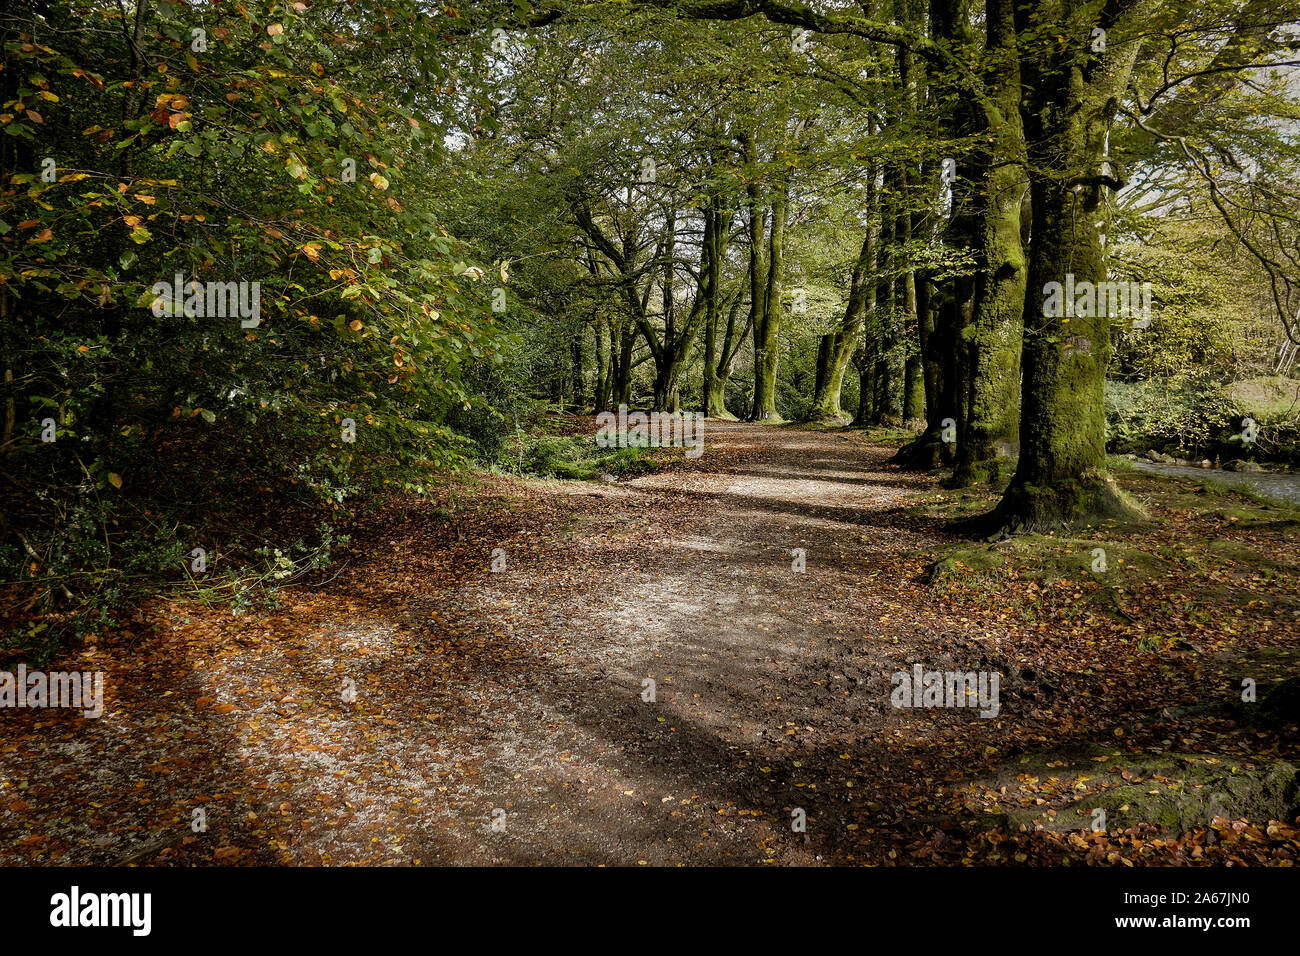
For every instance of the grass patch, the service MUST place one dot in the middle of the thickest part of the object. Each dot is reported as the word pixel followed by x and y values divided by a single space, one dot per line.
pixel 895 435
pixel 1267 399
pixel 574 457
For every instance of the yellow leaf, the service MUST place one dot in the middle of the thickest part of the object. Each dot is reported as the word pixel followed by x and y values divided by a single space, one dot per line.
pixel 115 479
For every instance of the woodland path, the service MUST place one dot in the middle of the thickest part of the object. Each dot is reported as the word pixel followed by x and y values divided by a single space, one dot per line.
pixel 521 690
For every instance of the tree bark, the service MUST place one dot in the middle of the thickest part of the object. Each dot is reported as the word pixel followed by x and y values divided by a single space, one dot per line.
pixel 1069 103
pixel 988 419
pixel 837 347
pixel 767 347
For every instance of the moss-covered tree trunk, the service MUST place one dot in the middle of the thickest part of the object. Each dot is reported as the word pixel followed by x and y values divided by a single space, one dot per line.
pixel 578 366
pixel 943 305
pixel 866 365
pixel 715 391
pixel 837 347
pixel 1067 109
pixel 758 267
pixel 925 331
pixel 767 343
pixel 913 387
pixel 1062 470
pixel 988 417
pixel 882 329
pixel 912 395
pixel 622 337
pixel 712 252
pixel 604 383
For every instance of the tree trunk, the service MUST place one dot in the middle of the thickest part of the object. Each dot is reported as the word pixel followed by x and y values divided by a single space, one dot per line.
pixel 838 346
pixel 882 377
pixel 767 350
pixel 866 387
pixel 604 382
pixel 621 340
pixel 988 423
pixel 911 399
pixel 913 388
pixel 1068 105
pixel 715 394
pixel 712 253
pixel 925 331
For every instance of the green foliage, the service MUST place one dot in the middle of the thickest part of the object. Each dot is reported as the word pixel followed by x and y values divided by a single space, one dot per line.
pixel 281 148
pixel 572 456
pixel 1179 416
pixel 1195 416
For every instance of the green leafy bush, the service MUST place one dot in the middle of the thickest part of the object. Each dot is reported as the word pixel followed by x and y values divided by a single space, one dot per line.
pixel 572 456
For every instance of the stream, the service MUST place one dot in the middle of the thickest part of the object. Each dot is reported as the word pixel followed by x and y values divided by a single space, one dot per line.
pixel 1282 486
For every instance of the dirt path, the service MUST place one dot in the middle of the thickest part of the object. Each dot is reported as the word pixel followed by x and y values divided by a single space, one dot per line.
pixel 521 690
pixel 760 671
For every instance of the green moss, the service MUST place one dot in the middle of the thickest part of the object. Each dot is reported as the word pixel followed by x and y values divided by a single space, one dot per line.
pixel 1174 792
pixel 963 561
pixel 993 471
pixel 1239 553
pixel 1036 557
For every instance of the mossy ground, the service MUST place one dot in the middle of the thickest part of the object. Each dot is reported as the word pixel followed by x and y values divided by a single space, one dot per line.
pixel 1203 585
pixel 1173 792
pixel 1223 537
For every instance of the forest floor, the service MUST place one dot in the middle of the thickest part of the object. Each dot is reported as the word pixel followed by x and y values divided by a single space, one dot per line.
pixel 523 689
